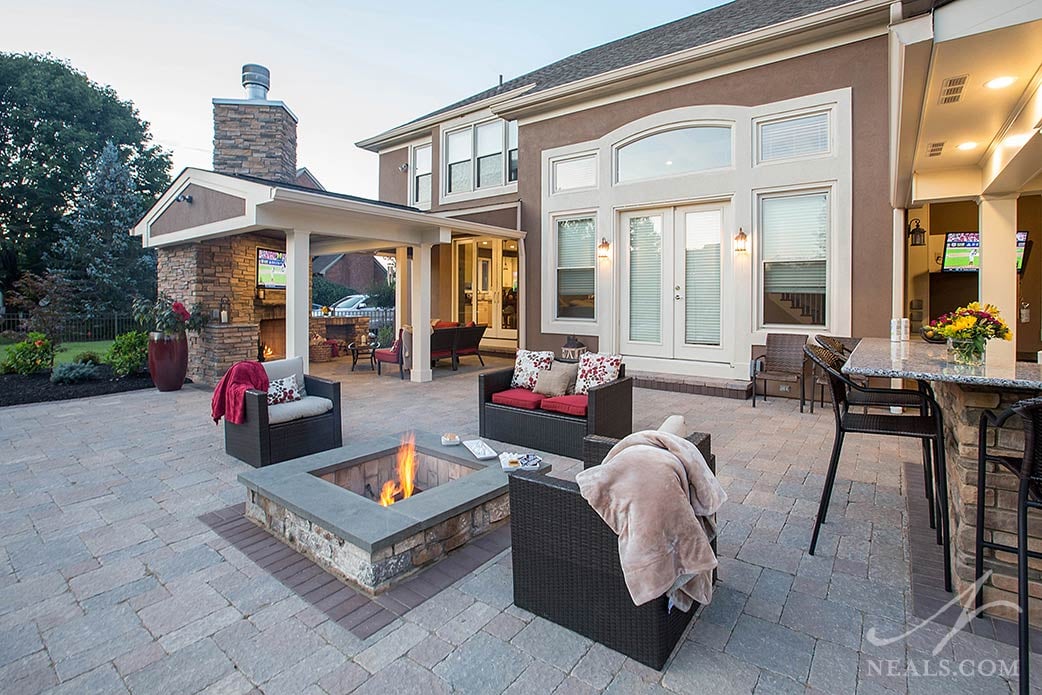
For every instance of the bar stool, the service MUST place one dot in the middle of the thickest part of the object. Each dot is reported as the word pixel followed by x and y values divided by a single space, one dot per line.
pixel 927 426
pixel 881 398
pixel 1029 496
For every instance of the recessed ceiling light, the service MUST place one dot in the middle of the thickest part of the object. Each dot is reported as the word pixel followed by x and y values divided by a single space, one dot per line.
pixel 1000 82
pixel 968 145
pixel 1017 140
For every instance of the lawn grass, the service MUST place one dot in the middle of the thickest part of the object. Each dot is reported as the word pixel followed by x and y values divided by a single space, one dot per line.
pixel 68 351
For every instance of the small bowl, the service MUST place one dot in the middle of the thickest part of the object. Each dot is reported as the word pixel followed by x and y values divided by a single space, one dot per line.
pixel 451 439
pixel 935 339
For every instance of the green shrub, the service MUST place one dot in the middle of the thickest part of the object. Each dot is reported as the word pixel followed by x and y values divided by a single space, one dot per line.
pixel 325 292
pixel 380 295
pixel 73 373
pixel 129 353
pixel 385 335
pixel 88 357
pixel 34 354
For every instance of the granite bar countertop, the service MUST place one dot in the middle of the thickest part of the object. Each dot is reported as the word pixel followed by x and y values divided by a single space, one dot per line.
pixel 918 359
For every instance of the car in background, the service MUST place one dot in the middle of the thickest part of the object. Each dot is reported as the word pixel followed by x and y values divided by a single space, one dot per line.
pixel 355 305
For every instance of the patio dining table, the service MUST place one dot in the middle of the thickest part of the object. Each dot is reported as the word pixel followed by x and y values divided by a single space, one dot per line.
pixel 963 393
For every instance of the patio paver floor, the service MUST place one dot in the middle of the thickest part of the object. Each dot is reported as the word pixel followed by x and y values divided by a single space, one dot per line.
pixel 112 579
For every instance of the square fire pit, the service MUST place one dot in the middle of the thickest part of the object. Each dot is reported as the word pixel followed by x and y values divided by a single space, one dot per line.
pixel 325 506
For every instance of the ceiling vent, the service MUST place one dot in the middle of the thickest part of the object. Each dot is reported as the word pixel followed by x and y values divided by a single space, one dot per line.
pixel 933 149
pixel 951 89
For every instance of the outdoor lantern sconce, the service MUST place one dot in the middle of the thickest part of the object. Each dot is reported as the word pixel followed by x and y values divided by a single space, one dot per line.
pixel 604 248
pixel 260 293
pixel 916 233
pixel 183 199
pixel 223 308
pixel 741 241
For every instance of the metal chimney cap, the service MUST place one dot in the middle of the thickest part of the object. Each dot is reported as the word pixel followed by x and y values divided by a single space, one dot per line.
pixel 257 80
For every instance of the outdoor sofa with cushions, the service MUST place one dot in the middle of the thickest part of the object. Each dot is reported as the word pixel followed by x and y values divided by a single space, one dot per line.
pixel 526 419
pixel 567 568
pixel 274 433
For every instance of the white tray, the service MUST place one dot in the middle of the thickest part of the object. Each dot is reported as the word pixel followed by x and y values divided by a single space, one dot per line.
pixel 480 450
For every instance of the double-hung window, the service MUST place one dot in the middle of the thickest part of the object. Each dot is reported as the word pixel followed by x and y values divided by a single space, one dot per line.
pixel 481 156
pixel 576 267
pixel 794 258
pixel 421 175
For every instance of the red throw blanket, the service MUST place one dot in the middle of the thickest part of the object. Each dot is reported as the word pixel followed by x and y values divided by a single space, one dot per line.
pixel 229 398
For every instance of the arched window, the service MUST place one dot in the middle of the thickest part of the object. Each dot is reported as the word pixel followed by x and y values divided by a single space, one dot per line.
pixel 678 151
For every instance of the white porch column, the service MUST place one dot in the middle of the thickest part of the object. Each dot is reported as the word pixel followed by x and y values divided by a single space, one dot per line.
pixel 421 313
pixel 401 288
pixel 997 277
pixel 298 301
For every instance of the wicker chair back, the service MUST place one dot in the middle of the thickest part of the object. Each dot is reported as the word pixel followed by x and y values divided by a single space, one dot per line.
pixel 784 353
pixel 831 364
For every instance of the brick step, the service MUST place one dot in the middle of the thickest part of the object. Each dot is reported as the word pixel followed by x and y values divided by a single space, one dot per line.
pixel 699 385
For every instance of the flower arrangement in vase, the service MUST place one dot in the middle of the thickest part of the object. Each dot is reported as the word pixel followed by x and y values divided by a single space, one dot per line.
pixel 968 330
pixel 167 320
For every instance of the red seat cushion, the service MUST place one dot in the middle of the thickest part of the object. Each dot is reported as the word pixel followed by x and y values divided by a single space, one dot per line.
pixel 446 324
pixel 518 398
pixel 569 405
pixel 386 355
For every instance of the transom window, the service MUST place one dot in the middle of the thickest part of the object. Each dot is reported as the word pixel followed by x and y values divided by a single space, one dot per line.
pixel 789 138
pixel 672 152
pixel 794 232
pixel 573 173
pixel 576 267
pixel 421 174
pixel 481 156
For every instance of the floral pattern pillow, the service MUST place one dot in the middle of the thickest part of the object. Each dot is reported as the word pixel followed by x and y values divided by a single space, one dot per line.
pixel 596 368
pixel 526 368
pixel 283 390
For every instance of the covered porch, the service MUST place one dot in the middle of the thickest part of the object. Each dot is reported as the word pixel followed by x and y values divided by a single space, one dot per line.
pixel 208 228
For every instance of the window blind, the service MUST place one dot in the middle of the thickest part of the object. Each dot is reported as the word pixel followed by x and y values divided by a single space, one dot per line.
pixel 645 258
pixel 422 157
pixel 575 173
pixel 794 137
pixel 576 267
pixel 702 232
pixel 794 258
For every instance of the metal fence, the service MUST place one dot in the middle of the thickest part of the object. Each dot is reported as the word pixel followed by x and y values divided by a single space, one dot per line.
pixel 77 329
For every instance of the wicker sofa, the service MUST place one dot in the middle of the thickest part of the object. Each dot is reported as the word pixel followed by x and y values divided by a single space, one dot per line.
pixel 609 412
pixel 259 442
pixel 567 569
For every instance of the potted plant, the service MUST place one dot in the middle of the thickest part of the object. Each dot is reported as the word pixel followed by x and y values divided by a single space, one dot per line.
pixel 167 321
pixel 968 330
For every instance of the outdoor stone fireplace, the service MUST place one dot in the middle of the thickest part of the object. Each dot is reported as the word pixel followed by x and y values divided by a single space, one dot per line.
pixel 327 507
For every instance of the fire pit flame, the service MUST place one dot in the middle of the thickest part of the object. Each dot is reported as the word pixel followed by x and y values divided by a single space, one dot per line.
pixel 405 485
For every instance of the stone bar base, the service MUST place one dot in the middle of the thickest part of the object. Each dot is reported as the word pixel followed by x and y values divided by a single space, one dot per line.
pixel 375 571
pixel 962 407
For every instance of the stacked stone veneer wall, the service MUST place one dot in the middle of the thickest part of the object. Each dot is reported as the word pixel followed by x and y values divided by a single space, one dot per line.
pixel 962 407
pixel 202 273
pixel 255 139
pixel 431 471
pixel 378 570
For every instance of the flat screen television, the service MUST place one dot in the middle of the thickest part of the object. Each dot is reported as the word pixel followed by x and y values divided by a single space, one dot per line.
pixel 962 252
pixel 271 269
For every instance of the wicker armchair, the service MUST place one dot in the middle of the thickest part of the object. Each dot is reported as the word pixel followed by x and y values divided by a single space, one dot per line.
pixel 567 568
pixel 609 412
pixel 259 442
pixel 783 362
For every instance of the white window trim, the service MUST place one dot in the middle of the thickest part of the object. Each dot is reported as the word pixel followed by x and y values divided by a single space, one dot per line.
pixel 758 124
pixel 549 288
pixel 474 193
pixel 832 251
pixel 551 172
pixel 412 175
pixel 681 125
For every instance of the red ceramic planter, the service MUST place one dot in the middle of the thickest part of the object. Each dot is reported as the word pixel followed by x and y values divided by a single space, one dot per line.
pixel 168 360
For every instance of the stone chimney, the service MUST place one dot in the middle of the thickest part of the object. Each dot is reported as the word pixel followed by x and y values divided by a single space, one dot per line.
pixel 255 136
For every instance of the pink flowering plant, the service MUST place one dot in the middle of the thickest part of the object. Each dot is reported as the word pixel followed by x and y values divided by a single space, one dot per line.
pixel 168 316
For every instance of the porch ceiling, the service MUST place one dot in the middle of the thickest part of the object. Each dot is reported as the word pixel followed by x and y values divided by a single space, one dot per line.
pixel 197 205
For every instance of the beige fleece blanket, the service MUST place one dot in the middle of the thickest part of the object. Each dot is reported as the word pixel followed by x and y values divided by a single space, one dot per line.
pixel 654 490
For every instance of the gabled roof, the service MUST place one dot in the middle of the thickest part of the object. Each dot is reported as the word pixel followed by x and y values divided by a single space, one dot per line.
pixel 706 27
pixel 316 191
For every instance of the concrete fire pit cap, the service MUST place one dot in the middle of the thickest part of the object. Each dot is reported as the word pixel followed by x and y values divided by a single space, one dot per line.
pixel 362 522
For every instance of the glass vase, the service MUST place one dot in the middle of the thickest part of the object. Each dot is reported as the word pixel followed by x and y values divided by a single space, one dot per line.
pixel 969 353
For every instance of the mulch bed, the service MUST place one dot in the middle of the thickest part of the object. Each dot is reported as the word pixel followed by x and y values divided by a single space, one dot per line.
pixel 17 389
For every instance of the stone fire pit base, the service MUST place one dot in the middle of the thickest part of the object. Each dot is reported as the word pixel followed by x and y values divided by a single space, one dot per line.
pixel 356 539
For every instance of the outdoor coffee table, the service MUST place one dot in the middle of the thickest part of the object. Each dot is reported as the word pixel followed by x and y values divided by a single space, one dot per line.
pixel 367 350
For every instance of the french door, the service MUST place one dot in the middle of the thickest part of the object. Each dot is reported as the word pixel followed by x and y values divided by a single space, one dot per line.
pixel 675 280
pixel 485 276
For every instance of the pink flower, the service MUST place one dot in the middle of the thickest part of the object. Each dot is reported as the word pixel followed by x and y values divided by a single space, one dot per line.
pixel 179 309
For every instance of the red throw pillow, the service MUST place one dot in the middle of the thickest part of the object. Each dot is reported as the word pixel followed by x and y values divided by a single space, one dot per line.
pixel 518 398
pixel 569 405
pixel 446 324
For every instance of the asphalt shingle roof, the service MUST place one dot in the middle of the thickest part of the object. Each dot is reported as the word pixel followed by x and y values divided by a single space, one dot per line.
pixel 699 29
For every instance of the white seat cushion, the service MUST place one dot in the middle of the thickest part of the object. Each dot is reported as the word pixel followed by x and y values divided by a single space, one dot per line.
pixel 308 406
pixel 674 424
pixel 279 369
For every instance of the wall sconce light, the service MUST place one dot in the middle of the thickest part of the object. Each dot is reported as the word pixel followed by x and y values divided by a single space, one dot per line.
pixel 261 293
pixel 183 199
pixel 403 167
pixel 223 309
pixel 604 249
pixel 916 233
pixel 741 241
